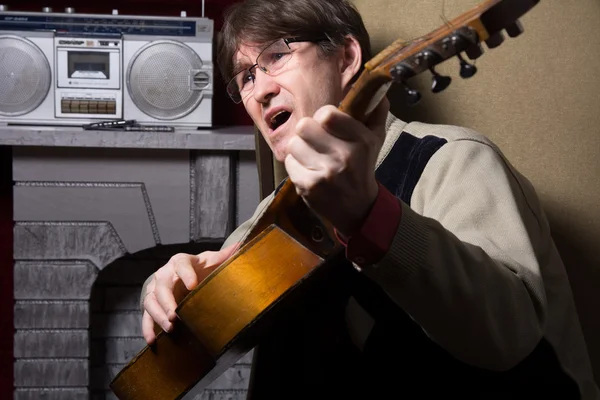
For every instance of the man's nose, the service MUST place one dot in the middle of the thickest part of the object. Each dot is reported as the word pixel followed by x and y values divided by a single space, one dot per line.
pixel 265 86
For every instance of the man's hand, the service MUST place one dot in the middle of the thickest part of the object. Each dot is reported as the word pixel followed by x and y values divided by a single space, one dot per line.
pixel 172 282
pixel 331 161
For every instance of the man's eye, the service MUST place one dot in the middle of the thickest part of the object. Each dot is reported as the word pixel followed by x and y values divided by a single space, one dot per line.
pixel 245 78
pixel 248 77
pixel 274 58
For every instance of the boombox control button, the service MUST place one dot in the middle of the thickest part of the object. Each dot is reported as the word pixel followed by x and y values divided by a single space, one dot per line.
pixel 88 107
pixel 65 106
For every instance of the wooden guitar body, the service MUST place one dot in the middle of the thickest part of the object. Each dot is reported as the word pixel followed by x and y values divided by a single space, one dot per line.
pixel 286 259
pixel 224 317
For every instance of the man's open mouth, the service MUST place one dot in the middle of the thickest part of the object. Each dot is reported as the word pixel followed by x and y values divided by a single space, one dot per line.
pixel 279 119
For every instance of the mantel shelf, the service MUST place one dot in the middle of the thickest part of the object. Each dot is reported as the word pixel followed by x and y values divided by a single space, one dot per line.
pixel 223 138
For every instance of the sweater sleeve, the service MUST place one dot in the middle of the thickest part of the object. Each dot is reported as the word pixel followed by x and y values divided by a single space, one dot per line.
pixel 465 262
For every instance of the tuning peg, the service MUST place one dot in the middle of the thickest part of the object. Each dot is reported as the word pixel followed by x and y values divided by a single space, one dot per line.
pixel 514 29
pixel 495 40
pixel 466 70
pixel 412 95
pixel 439 82
pixel 474 51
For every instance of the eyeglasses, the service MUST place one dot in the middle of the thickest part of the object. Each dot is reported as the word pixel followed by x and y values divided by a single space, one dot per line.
pixel 270 60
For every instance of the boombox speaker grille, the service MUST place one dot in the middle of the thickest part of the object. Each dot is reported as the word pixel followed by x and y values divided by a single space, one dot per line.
pixel 24 76
pixel 163 79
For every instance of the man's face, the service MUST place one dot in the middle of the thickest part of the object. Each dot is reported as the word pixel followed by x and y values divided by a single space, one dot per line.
pixel 278 101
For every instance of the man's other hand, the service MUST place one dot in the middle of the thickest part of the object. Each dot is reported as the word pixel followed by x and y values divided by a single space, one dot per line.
pixel 172 282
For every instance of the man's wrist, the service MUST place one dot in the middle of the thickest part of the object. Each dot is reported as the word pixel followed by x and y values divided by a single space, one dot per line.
pixel 356 218
pixel 371 241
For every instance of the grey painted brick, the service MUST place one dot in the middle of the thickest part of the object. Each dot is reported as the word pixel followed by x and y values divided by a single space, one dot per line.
pixel 51 344
pixel 123 298
pixel 213 202
pixel 121 324
pixel 248 187
pixel 122 350
pixel 115 350
pixel 94 241
pixel 246 359
pixel 53 280
pixel 48 373
pixel 236 377
pixel 51 314
pixel 219 395
pixel 52 394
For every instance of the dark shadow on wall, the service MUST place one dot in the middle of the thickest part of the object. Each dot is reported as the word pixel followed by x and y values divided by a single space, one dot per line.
pixel 584 274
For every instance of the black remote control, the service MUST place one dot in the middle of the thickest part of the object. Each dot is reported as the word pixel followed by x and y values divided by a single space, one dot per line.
pixel 149 128
pixel 117 124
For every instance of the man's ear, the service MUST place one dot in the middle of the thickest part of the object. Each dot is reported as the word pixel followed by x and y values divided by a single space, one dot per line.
pixel 351 61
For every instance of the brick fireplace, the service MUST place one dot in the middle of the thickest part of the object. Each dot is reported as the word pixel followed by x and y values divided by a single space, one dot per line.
pixel 91 224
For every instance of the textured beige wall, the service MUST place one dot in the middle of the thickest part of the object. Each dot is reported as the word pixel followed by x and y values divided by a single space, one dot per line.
pixel 538 97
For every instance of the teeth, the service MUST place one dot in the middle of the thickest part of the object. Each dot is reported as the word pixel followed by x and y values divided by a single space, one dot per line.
pixel 275 116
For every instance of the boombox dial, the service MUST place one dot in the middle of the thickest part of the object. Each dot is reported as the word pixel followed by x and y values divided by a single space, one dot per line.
pixel 165 79
pixel 25 76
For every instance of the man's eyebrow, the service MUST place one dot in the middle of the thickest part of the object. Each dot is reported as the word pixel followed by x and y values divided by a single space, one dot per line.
pixel 240 65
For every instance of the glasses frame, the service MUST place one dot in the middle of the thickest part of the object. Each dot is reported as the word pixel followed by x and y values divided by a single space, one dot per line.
pixel 287 41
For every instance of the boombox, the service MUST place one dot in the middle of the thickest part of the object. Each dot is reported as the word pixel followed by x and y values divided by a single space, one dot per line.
pixel 74 69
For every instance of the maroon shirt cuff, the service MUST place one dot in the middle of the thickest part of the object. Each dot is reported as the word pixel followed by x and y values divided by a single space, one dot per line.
pixel 371 242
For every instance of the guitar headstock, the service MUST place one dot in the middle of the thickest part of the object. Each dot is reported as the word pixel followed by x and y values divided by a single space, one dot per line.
pixel 402 60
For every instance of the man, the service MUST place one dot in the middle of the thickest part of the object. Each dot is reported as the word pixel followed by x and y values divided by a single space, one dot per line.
pixel 457 287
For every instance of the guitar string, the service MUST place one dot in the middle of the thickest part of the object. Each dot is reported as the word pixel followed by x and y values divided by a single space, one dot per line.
pixel 449 23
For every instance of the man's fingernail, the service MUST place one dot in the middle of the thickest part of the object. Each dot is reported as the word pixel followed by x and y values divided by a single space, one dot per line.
pixel 166 326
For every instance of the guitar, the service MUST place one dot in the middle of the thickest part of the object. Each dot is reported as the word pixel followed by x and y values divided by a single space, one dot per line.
pixel 227 314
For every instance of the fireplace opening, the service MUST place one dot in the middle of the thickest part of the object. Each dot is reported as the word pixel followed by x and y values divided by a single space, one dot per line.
pixel 115 334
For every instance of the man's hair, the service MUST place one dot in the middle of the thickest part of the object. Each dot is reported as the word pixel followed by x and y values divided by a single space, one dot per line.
pixel 264 21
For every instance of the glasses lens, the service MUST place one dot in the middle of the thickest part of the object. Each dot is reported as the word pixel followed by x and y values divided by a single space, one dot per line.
pixel 274 57
pixel 240 84
pixel 270 60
